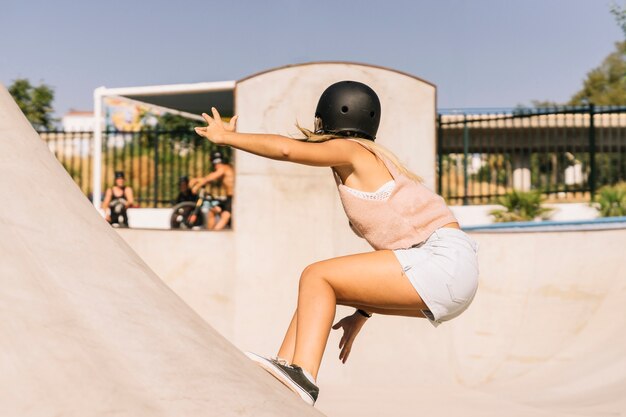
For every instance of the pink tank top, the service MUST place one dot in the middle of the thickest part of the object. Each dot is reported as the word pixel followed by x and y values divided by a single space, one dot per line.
pixel 408 217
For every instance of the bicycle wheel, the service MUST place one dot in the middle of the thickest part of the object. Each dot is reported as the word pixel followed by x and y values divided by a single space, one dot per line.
pixel 184 216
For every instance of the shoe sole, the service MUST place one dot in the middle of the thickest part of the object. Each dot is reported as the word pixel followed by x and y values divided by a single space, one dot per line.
pixel 281 376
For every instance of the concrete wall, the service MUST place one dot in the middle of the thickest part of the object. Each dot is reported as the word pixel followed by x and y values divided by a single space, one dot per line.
pixel 198 266
pixel 479 215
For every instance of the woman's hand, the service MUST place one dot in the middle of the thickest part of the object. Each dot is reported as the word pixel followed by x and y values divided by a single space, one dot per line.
pixel 351 327
pixel 215 129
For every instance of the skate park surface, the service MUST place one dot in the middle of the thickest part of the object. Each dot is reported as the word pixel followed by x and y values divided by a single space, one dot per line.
pixel 543 336
pixel 91 330
pixel 88 329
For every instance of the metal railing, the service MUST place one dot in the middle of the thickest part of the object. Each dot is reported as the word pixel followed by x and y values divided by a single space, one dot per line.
pixel 565 153
pixel 74 150
pixel 153 161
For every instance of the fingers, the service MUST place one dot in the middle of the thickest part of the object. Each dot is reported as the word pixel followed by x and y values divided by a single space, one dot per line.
pixel 216 114
pixel 339 323
pixel 345 352
pixel 207 118
pixel 233 123
pixel 347 348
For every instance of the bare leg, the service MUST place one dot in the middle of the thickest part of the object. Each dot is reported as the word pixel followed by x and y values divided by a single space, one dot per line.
pixel 288 346
pixel 224 218
pixel 210 222
pixel 289 342
pixel 372 279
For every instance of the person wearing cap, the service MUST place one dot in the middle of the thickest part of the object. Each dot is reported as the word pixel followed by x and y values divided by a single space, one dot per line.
pixel 117 199
pixel 225 173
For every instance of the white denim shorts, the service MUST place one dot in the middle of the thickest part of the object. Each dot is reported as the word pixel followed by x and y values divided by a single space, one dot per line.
pixel 444 272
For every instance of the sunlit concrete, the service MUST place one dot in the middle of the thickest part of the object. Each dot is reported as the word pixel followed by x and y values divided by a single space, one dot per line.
pixel 91 331
pixel 87 328
pixel 543 337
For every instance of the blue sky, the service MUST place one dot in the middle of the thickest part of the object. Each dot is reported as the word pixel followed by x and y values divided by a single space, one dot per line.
pixel 480 53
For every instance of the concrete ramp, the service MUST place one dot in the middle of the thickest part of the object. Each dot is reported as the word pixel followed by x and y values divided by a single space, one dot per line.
pixel 545 336
pixel 87 329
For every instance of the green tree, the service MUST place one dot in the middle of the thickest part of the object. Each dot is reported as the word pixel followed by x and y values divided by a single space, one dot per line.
pixel 173 122
pixel 535 105
pixel 620 16
pixel 606 84
pixel 35 102
pixel 544 104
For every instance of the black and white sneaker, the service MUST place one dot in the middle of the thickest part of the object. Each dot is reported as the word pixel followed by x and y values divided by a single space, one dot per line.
pixel 291 376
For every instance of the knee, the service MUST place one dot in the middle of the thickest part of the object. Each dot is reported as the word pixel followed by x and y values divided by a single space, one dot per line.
pixel 312 275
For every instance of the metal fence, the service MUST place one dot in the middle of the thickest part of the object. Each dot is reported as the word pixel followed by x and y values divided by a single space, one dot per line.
pixel 153 161
pixel 565 153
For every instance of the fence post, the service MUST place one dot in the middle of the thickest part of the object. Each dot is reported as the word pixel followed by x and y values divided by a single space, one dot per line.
pixel 156 168
pixel 465 154
pixel 439 154
pixel 592 151
pixel 98 125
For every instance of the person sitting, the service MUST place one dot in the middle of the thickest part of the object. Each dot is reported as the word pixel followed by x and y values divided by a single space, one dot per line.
pixel 222 209
pixel 117 199
pixel 185 193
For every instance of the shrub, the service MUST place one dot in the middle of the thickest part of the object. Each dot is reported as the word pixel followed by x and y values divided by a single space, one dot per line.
pixel 520 206
pixel 610 200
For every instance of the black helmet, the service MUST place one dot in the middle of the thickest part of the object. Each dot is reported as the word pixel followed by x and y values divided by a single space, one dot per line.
pixel 183 178
pixel 217 157
pixel 119 174
pixel 348 108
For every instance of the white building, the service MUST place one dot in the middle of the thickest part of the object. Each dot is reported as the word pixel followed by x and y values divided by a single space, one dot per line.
pixel 78 121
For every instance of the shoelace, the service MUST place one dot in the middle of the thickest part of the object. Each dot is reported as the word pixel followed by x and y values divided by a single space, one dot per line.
pixel 280 361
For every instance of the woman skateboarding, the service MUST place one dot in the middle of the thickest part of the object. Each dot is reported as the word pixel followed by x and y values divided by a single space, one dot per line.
pixel 422 265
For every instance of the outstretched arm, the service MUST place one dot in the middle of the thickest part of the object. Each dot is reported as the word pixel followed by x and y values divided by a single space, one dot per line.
pixel 215 175
pixel 282 148
pixel 197 183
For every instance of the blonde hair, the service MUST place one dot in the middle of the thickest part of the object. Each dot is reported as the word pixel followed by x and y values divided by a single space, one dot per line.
pixel 373 147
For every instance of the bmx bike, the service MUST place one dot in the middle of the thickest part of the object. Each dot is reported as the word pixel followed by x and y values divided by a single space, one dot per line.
pixel 193 215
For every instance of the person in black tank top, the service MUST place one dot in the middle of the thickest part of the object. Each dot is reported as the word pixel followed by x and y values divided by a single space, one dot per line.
pixel 117 199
